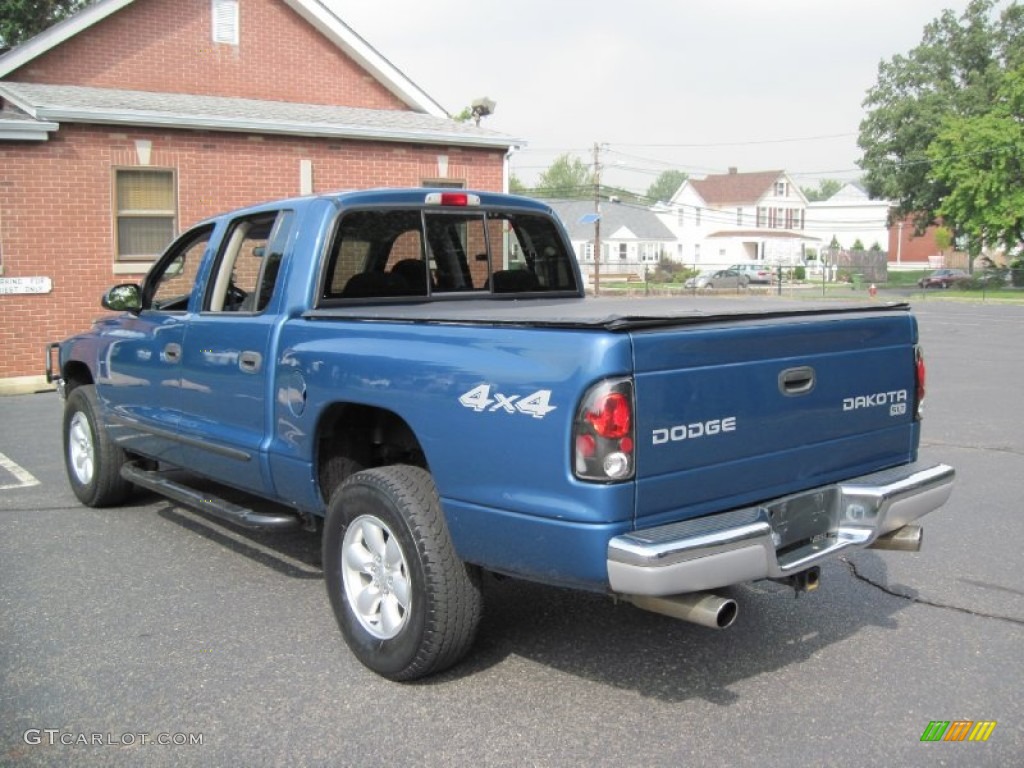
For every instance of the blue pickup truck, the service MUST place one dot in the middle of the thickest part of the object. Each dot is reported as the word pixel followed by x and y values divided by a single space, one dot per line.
pixel 419 375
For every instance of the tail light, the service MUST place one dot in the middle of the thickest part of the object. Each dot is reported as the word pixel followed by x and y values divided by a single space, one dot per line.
pixel 920 375
pixel 603 444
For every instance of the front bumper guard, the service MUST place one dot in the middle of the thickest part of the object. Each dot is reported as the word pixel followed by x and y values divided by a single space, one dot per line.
pixel 776 539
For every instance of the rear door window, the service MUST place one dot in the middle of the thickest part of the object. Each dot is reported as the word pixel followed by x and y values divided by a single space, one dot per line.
pixel 412 255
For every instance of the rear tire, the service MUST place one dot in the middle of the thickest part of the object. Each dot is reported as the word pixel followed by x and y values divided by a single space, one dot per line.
pixel 406 605
pixel 93 461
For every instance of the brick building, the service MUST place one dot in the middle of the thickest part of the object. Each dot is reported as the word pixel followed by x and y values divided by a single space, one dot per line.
pixel 133 119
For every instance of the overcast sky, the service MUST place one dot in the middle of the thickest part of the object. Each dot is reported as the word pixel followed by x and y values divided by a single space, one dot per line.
pixel 696 85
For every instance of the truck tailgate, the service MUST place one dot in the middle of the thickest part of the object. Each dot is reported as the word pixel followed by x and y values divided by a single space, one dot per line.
pixel 732 413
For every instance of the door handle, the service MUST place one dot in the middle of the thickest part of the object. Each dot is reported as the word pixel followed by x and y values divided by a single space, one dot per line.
pixel 796 381
pixel 172 352
pixel 250 362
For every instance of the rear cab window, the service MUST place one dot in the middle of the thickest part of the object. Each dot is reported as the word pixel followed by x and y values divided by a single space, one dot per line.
pixel 440 251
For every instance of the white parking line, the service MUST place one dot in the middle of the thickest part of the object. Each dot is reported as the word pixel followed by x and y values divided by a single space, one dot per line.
pixel 23 476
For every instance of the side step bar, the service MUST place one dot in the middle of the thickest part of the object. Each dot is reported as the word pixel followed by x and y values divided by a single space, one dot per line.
pixel 203 501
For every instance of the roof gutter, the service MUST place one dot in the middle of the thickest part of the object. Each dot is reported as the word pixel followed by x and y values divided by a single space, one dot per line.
pixel 26 130
pixel 284 128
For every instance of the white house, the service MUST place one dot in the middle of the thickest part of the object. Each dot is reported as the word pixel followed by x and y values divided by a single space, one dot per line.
pixel 848 216
pixel 633 238
pixel 731 217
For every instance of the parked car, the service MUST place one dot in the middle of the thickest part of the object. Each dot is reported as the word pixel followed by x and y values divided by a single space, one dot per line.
pixel 717 280
pixel 943 278
pixel 755 273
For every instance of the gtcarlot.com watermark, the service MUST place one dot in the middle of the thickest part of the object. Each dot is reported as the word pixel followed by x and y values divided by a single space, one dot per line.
pixel 55 736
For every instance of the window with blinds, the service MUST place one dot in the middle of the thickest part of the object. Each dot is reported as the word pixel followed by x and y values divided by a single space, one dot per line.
pixel 146 212
pixel 225 21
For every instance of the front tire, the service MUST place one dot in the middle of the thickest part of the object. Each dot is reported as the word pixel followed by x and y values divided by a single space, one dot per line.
pixel 406 605
pixel 93 461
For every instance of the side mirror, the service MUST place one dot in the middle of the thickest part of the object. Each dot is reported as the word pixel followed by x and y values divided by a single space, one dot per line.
pixel 126 297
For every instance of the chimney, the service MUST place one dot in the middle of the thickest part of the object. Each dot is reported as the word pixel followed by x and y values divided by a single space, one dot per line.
pixel 732 169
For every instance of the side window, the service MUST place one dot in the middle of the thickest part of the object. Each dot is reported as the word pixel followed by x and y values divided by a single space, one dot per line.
pixel 169 283
pixel 377 254
pixel 245 273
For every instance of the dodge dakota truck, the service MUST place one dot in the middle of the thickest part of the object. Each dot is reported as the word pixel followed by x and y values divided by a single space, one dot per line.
pixel 419 376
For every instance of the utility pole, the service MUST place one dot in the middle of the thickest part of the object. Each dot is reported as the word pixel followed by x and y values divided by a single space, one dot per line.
pixel 597 219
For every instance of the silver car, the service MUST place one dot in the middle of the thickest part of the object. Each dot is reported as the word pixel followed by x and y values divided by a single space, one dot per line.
pixel 717 280
pixel 755 272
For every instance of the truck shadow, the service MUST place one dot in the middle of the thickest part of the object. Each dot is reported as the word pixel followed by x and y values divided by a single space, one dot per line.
pixel 295 554
pixel 615 644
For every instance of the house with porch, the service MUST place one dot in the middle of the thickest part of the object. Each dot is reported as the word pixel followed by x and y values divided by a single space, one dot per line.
pixel 734 217
pixel 133 119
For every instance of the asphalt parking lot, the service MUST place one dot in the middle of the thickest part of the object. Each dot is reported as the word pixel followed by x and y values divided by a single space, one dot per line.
pixel 121 628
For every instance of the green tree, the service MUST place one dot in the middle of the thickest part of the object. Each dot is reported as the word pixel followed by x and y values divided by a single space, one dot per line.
pixel 943 239
pixel 826 188
pixel 666 185
pixel 954 72
pixel 22 19
pixel 567 177
pixel 516 186
pixel 621 195
pixel 980 160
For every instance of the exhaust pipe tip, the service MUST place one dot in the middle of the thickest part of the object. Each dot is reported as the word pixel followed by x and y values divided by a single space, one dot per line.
pixel 726 613
pixel 696 607
pixel 909 538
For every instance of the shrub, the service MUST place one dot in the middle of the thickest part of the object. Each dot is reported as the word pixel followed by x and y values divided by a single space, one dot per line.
pixel 1017 272
pixel 669 271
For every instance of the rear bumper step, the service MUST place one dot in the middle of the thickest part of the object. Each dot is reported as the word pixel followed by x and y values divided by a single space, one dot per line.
pixel 781 537
pixel 161 483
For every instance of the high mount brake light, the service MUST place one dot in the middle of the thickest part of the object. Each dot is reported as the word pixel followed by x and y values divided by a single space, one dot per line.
pixel 603 441
pixel 453 199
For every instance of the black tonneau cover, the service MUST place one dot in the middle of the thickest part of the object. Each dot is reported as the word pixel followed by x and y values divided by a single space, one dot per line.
pixel 613 314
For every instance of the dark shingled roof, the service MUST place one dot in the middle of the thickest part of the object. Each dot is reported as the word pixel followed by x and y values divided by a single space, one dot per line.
pixel 725 188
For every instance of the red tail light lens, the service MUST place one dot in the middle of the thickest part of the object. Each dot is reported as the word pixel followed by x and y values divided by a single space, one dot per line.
pixel 921 375
pixel 612 416
pixel 603 444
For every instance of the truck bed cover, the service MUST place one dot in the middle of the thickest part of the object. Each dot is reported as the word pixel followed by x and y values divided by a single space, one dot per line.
pixel 612 314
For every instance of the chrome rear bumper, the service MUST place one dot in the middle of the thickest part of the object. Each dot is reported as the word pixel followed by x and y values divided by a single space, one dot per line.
pixel 775 539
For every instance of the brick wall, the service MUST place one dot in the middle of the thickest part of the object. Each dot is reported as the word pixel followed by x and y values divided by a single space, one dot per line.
pixel 56 217
pixel 167 46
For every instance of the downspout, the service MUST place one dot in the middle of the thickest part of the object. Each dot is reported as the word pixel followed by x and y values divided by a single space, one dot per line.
pixel 506 177
pixel 506 173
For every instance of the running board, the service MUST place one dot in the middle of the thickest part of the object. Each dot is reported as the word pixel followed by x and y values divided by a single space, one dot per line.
pixel 206 502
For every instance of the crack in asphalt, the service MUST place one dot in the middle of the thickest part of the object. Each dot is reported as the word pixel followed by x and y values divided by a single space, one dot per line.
pixel 889 591
pixel 969 447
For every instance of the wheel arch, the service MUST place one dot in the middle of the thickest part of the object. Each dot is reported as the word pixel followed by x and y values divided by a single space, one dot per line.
pixel 356 436
pixel 76 373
